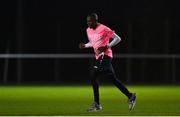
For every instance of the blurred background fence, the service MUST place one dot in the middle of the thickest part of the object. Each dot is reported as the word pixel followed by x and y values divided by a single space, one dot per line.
pixel 149 51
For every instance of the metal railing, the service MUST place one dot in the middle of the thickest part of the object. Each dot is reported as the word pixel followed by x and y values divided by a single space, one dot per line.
pixel 129 57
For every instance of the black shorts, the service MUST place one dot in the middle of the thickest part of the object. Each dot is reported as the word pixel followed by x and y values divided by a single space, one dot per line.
pixel 104 63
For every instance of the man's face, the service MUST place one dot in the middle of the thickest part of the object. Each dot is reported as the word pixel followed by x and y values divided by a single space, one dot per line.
pixel 91 22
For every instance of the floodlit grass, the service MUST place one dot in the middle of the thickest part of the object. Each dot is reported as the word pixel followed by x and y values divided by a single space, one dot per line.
pixel 74 100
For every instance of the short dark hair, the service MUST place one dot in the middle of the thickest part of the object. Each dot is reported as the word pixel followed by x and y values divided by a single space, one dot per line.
pixel 93 15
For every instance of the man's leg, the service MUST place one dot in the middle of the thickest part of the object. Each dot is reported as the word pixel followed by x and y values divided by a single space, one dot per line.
pixel 95 85
pixel 111 76
pixel 131 96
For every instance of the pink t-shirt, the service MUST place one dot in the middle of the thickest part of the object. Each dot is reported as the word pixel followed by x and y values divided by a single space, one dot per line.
pixel 100 37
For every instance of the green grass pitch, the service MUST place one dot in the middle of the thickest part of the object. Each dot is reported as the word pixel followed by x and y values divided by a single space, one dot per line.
pixel 74 100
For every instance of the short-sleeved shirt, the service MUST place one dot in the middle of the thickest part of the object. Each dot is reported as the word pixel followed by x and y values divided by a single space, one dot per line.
pixel 100 37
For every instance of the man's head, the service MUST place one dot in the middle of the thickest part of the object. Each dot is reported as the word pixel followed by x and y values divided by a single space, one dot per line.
pixel 92 20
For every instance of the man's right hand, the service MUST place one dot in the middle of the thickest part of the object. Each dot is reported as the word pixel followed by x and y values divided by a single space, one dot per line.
pixel 81 45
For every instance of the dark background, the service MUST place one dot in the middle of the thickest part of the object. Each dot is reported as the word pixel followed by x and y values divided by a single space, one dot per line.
pixel 57 26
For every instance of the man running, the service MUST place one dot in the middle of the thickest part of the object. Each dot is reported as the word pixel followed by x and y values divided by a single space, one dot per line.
pixel 99 36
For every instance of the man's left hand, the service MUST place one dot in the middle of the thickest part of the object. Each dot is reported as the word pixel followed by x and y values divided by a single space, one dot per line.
pixel 102 49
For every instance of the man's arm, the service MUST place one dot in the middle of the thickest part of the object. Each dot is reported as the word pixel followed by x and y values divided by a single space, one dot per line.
pixel 115 41
pixel 88 45
pixel 83 45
